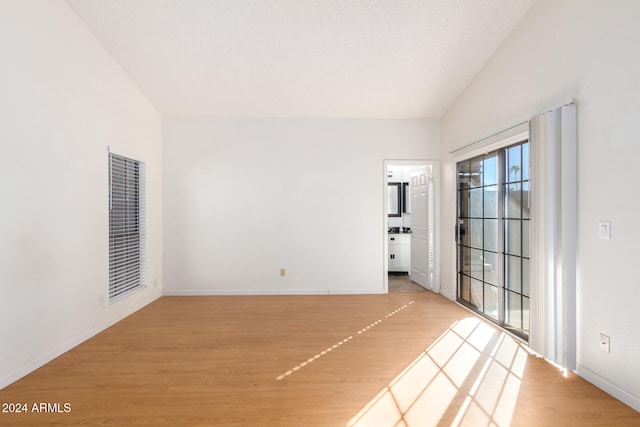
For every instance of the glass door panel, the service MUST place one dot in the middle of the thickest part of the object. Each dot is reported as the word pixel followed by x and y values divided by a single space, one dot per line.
pixel 478 200
pixel 491 301
pixel 516 186
pixel 491 235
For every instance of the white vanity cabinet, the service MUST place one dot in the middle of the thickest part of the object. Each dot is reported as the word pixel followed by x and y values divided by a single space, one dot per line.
pixel 400 252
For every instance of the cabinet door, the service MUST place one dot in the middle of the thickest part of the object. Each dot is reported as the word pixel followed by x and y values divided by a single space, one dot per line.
pixel 399 252
pixel 392 257
pixel 396 261
pixel 402 256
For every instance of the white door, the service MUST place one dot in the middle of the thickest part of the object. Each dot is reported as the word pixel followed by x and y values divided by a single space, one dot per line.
pixel 420 229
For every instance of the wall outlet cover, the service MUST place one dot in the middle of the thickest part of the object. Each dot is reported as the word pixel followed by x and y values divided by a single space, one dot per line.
pixel 604 230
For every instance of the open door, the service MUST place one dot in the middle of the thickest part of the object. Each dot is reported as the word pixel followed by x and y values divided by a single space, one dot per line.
pixel 421 227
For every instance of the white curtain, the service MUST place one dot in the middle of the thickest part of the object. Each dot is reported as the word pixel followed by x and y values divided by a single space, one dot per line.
pixel 553 235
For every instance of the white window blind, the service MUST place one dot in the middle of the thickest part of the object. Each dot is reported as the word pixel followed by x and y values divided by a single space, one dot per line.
pixel 126 226
pixel 554 235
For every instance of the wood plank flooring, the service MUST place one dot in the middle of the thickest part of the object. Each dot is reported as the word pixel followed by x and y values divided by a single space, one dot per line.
pixel 402 359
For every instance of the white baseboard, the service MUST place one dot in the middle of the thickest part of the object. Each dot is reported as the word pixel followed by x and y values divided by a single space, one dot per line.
pixel 447 295
pixel 615 391
pixel 241 292
pixel 31 366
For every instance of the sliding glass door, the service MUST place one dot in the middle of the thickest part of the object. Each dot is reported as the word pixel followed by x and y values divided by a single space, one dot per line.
pixel 493 236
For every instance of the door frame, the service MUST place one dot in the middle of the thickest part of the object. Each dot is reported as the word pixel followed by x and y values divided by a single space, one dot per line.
pixel 435 287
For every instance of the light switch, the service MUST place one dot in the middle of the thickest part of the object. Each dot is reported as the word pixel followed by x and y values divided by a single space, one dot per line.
pixel 604 230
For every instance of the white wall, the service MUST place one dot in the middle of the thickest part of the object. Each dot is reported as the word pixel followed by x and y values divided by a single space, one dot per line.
pixel 63 101
pixel 246 197
pixel 587 50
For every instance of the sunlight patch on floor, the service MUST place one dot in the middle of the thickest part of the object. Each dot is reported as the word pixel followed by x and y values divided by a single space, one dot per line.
pixel 344 341
pixel 470 376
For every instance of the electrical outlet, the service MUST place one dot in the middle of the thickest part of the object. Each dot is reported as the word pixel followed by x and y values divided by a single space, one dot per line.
pixel 101 299
pixel 155 282
pixel 605 343
pixel 283 272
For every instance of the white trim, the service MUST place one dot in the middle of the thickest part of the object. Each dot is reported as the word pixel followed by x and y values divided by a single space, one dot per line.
pixel 448 295
pixel 436 285
pixel 385 227
pixel 42 360
pixel 261 292
pixel 610 388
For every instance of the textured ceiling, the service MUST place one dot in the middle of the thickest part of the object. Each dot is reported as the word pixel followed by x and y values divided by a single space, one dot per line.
pixel 301 58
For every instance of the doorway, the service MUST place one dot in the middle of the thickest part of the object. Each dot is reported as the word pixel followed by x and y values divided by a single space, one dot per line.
pixel 410 225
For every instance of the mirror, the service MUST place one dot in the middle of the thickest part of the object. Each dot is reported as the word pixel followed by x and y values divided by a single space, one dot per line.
pixel 393 199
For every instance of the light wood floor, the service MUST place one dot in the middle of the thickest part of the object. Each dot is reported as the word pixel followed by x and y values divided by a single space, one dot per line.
pixel 402 359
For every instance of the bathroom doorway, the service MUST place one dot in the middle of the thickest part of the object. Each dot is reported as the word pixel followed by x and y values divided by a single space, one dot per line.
pixel 409 225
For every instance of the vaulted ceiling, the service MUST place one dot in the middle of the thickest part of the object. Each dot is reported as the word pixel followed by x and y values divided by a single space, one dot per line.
pixel 301 58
